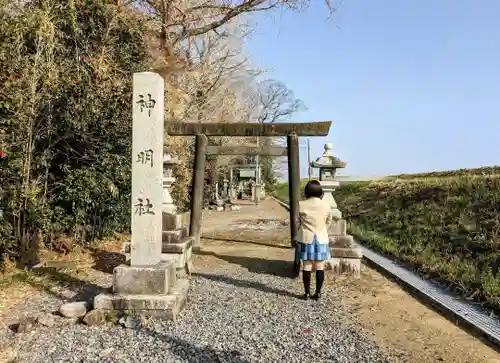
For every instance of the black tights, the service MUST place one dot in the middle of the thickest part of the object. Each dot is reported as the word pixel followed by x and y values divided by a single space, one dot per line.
pixel 306 278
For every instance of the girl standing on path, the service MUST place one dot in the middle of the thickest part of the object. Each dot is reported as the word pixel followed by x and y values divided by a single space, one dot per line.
pixel 312 236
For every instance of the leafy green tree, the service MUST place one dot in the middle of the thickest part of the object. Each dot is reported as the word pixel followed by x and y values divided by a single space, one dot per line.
pixel 65 70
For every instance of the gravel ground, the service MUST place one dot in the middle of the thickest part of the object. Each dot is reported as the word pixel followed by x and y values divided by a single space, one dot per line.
pixel 233 315
pixel 261 224
pixel 238 311
pixel 46 302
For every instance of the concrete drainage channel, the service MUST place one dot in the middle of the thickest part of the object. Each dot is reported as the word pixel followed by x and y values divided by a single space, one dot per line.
pixel 460 311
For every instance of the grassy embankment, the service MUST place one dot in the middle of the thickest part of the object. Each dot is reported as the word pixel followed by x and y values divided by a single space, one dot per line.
pixel 444 224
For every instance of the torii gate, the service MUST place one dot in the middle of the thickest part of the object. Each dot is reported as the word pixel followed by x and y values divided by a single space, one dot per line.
pixel 292 131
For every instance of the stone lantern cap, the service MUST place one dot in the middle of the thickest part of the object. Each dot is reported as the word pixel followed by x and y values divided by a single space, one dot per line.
pixel 327 160
pixel 168 159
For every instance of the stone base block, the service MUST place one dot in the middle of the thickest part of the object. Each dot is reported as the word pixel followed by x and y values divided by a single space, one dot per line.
pixel 175 236
pixel 140 280
pixel 336 214
pixel 179 247
pixel 352 252
pixel 175 221
pixel 346 241
pixel 338 228
pixel 167 306
pixel 178 259
pixel 183 258
pixel 348 266
pixel 332 238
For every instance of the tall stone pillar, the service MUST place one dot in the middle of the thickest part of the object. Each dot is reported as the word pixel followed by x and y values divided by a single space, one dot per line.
pixel 146 284
pixel 147 169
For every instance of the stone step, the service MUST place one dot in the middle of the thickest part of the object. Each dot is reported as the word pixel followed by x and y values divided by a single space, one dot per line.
pixel 179 259
pixel 167 306
pixel 346 241
pixel 181 247
pixel 178 247
pixel 175 235
pixel 352 252
pixel 347 266
pixel 171 222
pixel 338 228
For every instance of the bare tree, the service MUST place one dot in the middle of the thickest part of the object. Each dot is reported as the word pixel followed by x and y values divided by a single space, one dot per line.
pixel 275 102
pixel 212 87
pixel 183 19
pixel 197 47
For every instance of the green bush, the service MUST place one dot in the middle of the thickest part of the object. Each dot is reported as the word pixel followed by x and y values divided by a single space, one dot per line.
pixel 281 190
pixel 65 72
pixel 447 227
pixel 487 170
pixel 444 224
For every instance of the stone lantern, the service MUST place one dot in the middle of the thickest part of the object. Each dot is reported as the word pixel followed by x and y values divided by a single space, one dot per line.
pixel 169 162
pixel 346 254
pixel 225 189
pixel 328 165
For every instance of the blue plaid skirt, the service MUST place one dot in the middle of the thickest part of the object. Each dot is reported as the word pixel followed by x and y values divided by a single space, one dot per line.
pixel 314 251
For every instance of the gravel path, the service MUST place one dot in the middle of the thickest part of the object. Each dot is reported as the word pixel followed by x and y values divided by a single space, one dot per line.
pixel 233 315
pixel 240 310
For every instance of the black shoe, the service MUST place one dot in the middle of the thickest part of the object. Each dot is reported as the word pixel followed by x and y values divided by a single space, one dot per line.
pixel 305 297
pixel 316 296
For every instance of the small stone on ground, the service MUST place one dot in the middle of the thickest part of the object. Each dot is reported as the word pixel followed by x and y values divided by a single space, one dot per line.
pixel 76 309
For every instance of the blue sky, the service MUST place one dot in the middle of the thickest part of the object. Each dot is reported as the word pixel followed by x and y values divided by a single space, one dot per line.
pixel 410 86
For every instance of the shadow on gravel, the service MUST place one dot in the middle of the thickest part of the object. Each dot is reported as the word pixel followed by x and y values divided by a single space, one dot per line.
pixel 257 265
pixel 264 244
pixel 192 353
pixel 245 284
pixel 52 282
